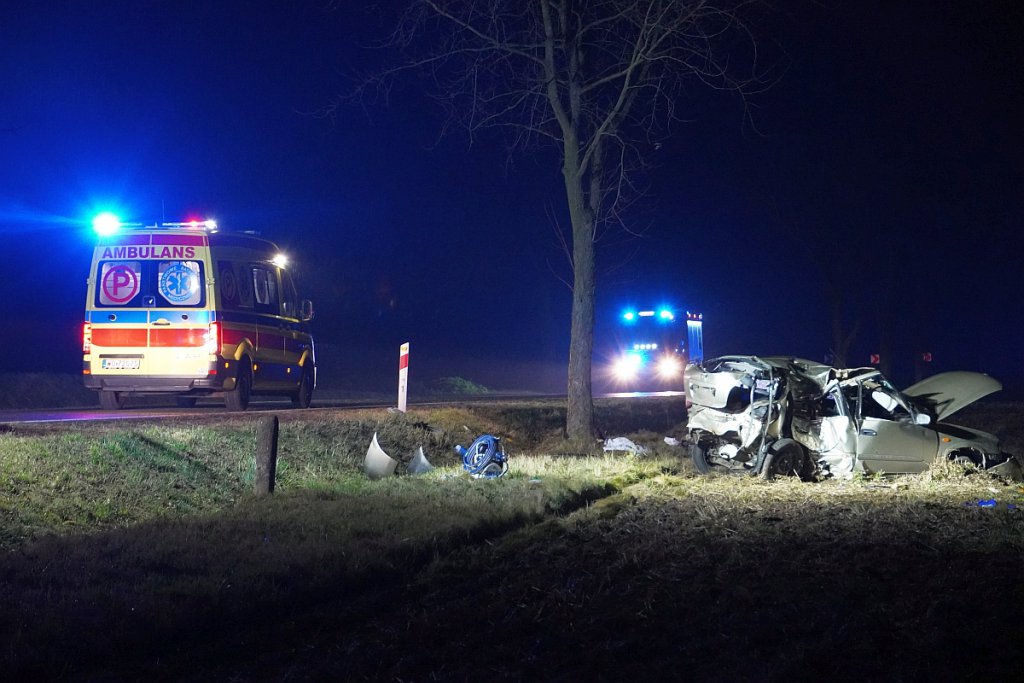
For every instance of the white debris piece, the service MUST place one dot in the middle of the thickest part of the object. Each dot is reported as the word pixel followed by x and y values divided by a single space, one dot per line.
pixel 378 464
pixel 419 463
pixel 621 443
pixel 672 441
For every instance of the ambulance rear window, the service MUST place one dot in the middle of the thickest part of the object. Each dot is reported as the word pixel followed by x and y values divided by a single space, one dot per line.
pixel 150 283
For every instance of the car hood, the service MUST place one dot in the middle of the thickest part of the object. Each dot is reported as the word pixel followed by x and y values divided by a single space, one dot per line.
pixel 948 392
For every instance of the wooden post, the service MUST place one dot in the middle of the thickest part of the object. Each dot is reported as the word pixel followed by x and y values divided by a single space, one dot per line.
pixel 266 455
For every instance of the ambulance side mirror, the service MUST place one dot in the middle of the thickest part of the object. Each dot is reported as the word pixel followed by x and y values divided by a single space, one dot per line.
pixel 306 313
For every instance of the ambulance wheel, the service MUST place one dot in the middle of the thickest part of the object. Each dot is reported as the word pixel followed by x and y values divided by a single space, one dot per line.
pixel 111 400
pixel 238 399
pixel 304 396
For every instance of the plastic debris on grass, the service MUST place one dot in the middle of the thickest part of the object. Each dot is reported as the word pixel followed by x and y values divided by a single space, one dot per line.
pixel 989 503
pixel 621 444
pixel 377 464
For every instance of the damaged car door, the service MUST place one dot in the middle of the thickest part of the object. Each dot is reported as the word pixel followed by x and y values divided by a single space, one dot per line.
pixel 889 437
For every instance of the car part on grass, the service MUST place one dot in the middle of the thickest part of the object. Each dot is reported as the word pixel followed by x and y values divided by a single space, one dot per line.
pixel 377 464
pixel 419 463
pixel 788 416
pixel 485 458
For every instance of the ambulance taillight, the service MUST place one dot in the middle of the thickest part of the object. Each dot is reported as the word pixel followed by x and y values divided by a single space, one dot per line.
pixel 86 338
pixel 213 339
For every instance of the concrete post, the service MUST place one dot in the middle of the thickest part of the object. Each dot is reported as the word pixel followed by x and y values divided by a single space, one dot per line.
pixel 266 455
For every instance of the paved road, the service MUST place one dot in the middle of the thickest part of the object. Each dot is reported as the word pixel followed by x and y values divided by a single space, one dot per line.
pixel 213 407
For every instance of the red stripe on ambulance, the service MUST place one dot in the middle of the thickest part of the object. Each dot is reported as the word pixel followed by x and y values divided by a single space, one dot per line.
pixel 107 337
pixel 190 336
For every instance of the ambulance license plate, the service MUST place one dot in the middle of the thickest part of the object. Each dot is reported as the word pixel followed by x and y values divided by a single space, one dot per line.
pixel 121 364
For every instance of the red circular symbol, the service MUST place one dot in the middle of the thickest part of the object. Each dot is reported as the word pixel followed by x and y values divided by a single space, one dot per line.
pixel 120 284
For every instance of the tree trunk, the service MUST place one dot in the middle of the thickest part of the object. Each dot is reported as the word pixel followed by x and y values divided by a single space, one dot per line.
pixel 579 422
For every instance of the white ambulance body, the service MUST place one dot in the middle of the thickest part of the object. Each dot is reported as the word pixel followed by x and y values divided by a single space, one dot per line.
pixel 183 310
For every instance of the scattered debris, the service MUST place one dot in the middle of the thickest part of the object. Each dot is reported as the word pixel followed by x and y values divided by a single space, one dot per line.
pixel 485 458
pixel 419 463
pixel 621 443
pixel 379 464
pixel 1010 470
pixel 989 503
pixel 672 441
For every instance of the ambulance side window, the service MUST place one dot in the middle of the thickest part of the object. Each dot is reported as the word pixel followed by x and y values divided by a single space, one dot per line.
pixel 264 283
pixel 289 298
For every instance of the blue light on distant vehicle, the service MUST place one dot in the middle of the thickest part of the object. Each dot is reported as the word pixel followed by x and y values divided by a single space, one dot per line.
pixel 666 315
pixel 106 223
pixel 629 316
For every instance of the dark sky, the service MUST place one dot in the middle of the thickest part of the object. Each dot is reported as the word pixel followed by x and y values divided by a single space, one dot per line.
pixel 888 156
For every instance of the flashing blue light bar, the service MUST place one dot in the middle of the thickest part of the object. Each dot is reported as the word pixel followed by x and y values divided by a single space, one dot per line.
pixel 666 314
pixel 106 223
pixel 629 316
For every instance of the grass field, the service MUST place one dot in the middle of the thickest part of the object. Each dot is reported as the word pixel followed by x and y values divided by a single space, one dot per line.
pixel 137 552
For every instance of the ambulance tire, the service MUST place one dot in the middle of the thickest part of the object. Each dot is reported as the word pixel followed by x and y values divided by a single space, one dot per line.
pixel 111 400
pixel 238 399
pixel 304 395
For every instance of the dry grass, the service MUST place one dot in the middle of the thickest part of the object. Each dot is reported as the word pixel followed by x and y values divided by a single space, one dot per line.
pixel 573 567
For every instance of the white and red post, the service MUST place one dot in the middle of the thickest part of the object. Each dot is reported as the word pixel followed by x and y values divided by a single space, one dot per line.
pixel 403 375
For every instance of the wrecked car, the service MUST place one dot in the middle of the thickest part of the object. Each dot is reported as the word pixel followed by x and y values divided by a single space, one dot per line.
pixel 788 416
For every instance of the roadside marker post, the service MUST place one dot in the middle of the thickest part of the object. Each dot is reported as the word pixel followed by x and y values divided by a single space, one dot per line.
pixel 403 375
pixel 266 455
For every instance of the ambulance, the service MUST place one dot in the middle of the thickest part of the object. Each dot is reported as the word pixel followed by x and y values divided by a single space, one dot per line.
pixel 183 310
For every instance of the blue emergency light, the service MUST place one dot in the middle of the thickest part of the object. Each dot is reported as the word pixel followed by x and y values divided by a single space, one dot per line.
pixel 106 223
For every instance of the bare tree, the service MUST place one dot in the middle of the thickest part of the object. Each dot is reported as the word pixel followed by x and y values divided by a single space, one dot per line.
pixel 598 79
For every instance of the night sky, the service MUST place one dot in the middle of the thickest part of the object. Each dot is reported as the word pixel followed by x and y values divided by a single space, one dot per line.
pixel 887 157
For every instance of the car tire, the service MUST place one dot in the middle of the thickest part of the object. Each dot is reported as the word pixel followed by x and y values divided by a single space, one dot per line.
pixel 699 456
pixel 303 396
pixel 111 400
pixel 786 458
pixel 238 398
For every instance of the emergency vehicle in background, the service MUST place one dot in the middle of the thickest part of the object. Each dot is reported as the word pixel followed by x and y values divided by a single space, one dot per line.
pixel 652 350
pixel 183 310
